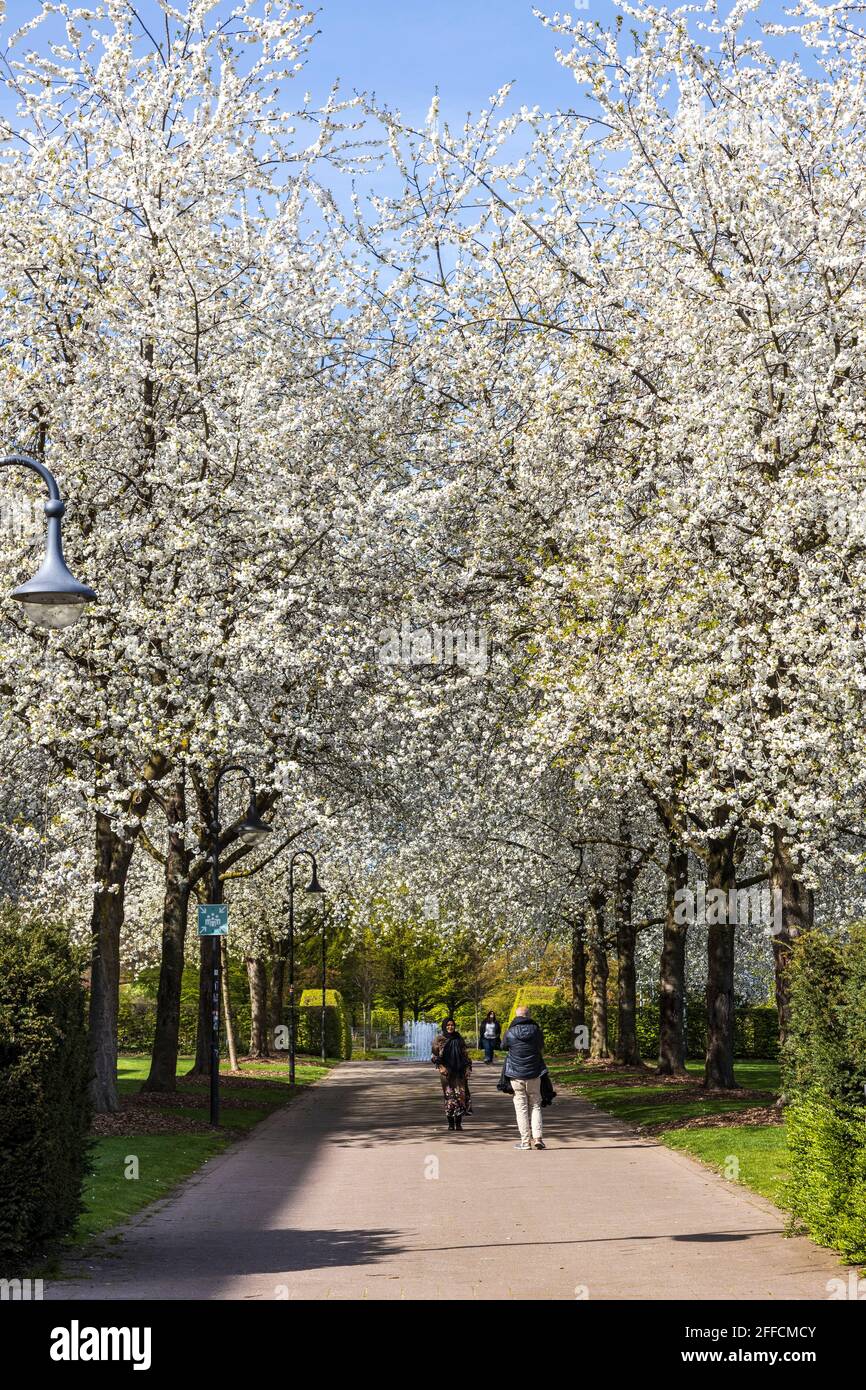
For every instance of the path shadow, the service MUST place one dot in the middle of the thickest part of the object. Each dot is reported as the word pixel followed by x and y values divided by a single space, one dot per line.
pixel 370 1120
pixel 624 1239
pixel 199 1259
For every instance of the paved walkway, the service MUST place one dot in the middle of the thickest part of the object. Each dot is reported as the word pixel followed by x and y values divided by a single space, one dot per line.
pixel 357 1190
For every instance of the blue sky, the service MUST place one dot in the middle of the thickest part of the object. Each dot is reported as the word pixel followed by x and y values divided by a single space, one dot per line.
pixel 404 49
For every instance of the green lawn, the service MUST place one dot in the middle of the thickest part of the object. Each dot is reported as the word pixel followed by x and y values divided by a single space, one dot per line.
pixel 132 1068
pixel 164 1160
pixel 754 1155
pixel 652 1105
pixel 643 1099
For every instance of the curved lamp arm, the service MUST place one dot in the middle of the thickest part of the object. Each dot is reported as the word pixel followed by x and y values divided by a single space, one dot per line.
pixel 52 598
pixel 223 772
pixel 25 461
pixel 252 829
pixel 314 884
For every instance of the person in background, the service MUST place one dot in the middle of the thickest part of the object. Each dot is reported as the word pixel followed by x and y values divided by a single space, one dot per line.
pixel 523 1067
pixel 452 1060
pixel 490 1036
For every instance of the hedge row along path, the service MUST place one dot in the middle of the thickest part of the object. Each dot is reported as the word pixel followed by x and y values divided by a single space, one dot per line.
pixel 337 1196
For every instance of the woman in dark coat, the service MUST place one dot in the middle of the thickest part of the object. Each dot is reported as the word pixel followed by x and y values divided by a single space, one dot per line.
pixel 491 1035
pixel 452 1060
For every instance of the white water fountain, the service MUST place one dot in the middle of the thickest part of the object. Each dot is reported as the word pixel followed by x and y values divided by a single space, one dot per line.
pixel 419 1040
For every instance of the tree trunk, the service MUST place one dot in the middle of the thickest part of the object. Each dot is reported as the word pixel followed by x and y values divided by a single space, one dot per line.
pixel 598 1046
pixel 578 974
pixel 672 968
pixel 627 1048
pixel 797 913
pixel 276 995
pixel 257 976
pixel 627 1051
pixel 175 910
pixel 113 856
pixel 721 873
pixel 228 1008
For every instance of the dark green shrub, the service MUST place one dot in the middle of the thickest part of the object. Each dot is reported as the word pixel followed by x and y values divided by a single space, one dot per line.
pixel 548 1007
pixel 338 1032
pixel 696 1026
pixel 824 1072
pixel 136 1021
pixel 816 1054
pixel 44 1074
pixel 647 1027
pixel 756 1029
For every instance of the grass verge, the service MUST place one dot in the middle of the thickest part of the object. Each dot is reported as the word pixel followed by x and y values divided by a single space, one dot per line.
pixel 754 1155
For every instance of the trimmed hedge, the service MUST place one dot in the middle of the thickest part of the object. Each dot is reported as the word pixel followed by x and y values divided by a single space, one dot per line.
pixel 338 1031
pixel 824 1072
pixel 548 1007
pixel 756 1031
pixel 44 1073
pixel 137 1014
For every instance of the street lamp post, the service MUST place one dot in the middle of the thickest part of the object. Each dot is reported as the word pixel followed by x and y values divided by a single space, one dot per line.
pixel 251 831
pixel 324 981
pixel 52 598
pixel 314 886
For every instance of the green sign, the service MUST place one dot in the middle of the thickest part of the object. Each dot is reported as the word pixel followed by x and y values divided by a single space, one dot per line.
pixel 213 919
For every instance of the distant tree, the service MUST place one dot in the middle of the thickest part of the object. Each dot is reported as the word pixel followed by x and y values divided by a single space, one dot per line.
pixel 468 974
pixel 411 979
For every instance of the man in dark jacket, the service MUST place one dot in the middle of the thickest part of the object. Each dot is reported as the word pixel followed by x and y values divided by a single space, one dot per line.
pixel 523 1067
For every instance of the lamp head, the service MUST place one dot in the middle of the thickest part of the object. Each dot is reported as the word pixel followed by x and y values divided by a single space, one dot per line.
pixel 253 830
pixel 314 886
pixel 53 598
